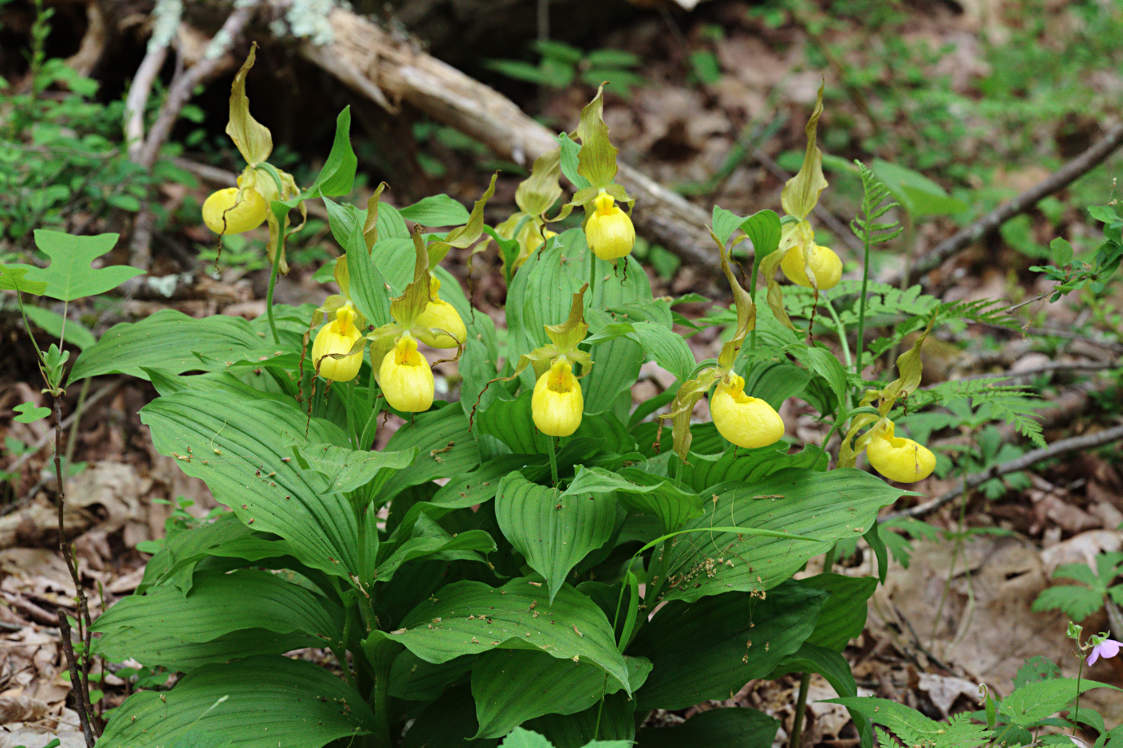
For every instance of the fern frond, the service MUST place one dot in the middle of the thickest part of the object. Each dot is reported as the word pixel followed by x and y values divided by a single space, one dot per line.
pixel 876 202
pixel 1012 403
pixel 884 303
pixel 986 311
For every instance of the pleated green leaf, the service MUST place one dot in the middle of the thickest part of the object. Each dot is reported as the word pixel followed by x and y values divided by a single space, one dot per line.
pixel 469 617
pixel 226 537
pixel 480 485
pixel 716 728
pixel 172 341
pixel 553 531
pixel 513 686
pixel 338 173
pixel 743 465
pixel 348 469
pixel 238 442
pixel 844 613
pixel 436 210
pixel 151 647
pixel 219 604
pixel 641 491
pixel 368 287
pixel 258 703
pixel 709 649
pixel 612 720
pixel 511 422
pixel 826 506
pixel 445 448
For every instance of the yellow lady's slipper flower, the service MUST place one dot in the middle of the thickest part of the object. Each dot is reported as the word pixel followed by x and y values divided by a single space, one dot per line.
pixel 405 377
pixel 746 421
pixel 557 404
pixel 823 263
pixel 897 458
pixel 225 213
pixel 337 338
pixel 440 325
pixel 609 232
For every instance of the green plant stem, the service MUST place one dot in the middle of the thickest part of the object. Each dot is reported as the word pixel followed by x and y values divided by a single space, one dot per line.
pixel 554 461
pixel 841 329
pixel 592 277
pixel 860 343
pixel 382 704
pixel 348 401
pixel 72 438
pixel 1076 709
pixel 800 710
pixel 269 291
pixel 752 298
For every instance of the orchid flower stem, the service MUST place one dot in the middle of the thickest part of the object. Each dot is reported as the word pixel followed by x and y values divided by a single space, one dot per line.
pixel 805 678
pixel 860 343
pixel 592 277
pixel 828 560
pixel 752 298
pixel 800 711
pixel 554 461
pixel 269 294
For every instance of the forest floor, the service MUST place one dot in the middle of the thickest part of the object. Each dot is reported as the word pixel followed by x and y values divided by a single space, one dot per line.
pixel 958 616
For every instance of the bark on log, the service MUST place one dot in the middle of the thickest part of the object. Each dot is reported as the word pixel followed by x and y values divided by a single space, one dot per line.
pixel 388 69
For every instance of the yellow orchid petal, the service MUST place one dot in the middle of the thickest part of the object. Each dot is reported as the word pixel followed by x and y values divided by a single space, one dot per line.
pixel 824 264
pixel 745 421
pixel 557 404
pixel 331 350
pixel 609 231
pixel 405 377
pixel 440 325
pixel 898 458
pixel 224 212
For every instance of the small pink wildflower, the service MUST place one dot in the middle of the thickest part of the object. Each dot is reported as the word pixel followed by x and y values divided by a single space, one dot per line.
pixel 1107 649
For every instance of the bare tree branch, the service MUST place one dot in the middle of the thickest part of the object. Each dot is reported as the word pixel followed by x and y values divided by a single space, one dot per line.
pixel 1064 446
pixel 989 223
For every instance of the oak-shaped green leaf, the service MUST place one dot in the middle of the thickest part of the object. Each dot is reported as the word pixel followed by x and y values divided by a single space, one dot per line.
pixel 70 275
pixel 30 413
pixel 14 278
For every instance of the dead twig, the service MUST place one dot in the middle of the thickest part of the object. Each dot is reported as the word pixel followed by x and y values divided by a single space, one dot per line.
pixel 1055 367
pixel 1064 446
pixel 85 709
pixel 179 92
pixel 81 685
pixel 1066 175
